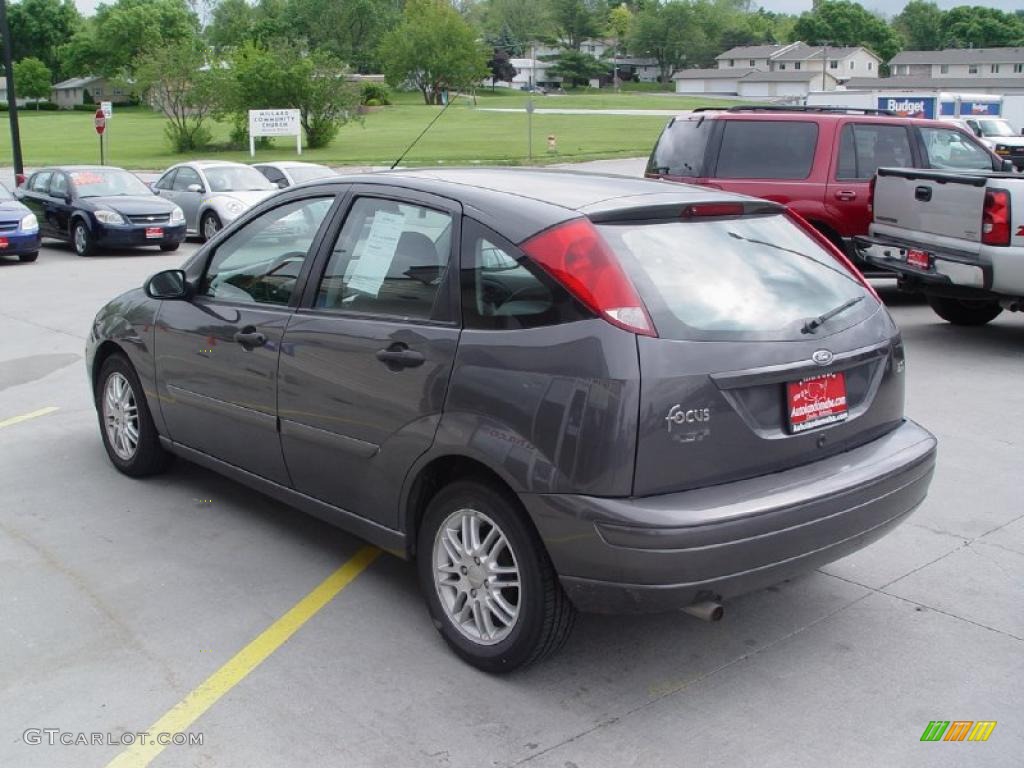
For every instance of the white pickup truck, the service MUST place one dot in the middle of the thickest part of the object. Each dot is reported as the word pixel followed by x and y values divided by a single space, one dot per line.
pixel 955 236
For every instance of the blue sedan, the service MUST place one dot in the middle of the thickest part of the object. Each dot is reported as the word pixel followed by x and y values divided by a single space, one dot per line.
pixel 19 229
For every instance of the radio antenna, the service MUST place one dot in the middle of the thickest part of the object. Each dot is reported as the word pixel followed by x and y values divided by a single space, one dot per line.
pixel 422 133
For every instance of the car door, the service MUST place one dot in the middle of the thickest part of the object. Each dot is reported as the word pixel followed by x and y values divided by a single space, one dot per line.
pixel 863 148
pixel 367 358
pixel 35 197
pixel 60 202
pixel 217 354
pixel 164 186
pixel 189 190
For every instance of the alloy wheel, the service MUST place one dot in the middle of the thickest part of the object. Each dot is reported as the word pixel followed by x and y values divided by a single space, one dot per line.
pixel 476 576
pixel 121 416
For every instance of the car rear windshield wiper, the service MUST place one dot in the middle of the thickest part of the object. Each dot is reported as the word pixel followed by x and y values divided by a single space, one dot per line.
pixel 812 325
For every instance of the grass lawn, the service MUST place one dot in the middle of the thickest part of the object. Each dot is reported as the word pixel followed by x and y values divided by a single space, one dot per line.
pixel 462 135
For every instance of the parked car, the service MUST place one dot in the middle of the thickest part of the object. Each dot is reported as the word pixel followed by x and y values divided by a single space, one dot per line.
pixel 291 172
pixel 213 193
pixel 556 391
pixel 997 134
pixel 19 228
pixel 94 206
pixel 818 161
pixel 955 237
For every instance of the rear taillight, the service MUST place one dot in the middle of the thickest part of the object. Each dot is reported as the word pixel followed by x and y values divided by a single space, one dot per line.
pixel 871 196
pixel 578 257
pixel 995 219
pixel 829 246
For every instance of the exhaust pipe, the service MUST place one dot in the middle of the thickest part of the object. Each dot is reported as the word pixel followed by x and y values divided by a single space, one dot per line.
pixel 707 610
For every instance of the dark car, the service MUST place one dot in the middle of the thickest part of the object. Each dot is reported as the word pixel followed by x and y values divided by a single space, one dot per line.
pixel 819 161
pixel 19 229
pixel 101 206
pixel 554 390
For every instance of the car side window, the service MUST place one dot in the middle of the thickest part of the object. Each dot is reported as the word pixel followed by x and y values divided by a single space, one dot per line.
pixel 503 290
pixel 866 147
pixel 953 150
pixel 261 262
pixel 767 149
pixel 41 182
pixel 390 258
pixel 186 177
pixel 272 174
pixel 167 180
pixel 59 185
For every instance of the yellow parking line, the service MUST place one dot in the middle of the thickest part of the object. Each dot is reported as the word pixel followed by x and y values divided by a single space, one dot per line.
pixel 192 707
pixel 26 416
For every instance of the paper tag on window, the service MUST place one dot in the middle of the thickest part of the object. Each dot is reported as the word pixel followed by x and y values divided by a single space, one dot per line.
pixel 377 253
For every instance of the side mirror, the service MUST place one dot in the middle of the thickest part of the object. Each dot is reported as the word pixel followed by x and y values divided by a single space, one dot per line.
pixel 167 285
pixel 195 187
pixel 1008 166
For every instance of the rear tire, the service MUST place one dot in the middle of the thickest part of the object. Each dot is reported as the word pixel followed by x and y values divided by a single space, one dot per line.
pixel 126 425
pixel 28 258
pixel 964 311
pixel 82 239
pixel 490 587
pixel 169 247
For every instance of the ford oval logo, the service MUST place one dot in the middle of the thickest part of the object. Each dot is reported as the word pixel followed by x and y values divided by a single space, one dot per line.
pixel 822 357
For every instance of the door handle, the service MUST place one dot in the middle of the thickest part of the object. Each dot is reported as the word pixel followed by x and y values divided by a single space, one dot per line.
pixel 398 356
pixel 250 338
pixel 845 194
pixel 924 194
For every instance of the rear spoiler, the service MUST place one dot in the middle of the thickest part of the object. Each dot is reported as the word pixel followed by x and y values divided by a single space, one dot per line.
pixel 682 210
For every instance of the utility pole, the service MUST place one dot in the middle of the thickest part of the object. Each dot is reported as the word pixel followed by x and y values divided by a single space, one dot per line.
pixel 824 64
pixel 12 98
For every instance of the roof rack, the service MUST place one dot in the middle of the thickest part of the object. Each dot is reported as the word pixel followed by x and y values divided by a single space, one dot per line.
pixel 784 108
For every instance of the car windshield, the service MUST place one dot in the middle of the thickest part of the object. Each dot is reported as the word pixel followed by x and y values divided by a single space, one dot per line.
pixel 995 128
pixel 237 178
pixel 106 182
pixel 751 277
pixel 5 194
pixel 301 173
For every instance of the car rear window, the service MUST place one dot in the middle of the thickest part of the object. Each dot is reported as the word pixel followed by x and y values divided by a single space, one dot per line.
pixel 751 277
pixel 680 148
pixel 767 149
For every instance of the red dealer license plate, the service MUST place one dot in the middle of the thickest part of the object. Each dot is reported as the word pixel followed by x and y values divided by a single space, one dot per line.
pixel 154 233
pixel 816 402
pixel 919 259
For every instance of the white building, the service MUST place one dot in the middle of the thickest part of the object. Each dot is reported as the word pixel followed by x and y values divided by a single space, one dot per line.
pixel 959 63
pixel 752 83
pixel 840 62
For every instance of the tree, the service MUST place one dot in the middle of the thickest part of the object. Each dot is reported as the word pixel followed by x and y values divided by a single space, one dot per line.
pixel 520 22
pixel 576 68
pixel 40 27
pixel 232 23
pixel 920 24
pixel 574 21
pixel 351 30
pixel 669 34
pixel 119 34
pixel 977 27
pixel 433 48
pixel 177 81
pixel 34 78
pixel 841 22
pixel 501 67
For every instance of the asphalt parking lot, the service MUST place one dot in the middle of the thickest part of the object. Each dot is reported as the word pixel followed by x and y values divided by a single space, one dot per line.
pixel 119 598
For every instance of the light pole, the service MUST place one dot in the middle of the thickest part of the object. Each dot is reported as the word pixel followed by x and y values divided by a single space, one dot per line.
pixel 12 99
pixel 824 64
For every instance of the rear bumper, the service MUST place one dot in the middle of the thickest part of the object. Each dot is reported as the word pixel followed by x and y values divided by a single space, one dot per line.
pixel 19 244
pixel 664 552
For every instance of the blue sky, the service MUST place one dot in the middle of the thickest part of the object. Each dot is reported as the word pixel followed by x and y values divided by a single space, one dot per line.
pixel 786 6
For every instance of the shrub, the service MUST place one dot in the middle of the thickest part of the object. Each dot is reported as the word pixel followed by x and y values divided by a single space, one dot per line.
pixel 377 93
pixel 187 139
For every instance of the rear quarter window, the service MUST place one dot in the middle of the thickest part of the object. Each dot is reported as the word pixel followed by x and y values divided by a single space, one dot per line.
pixel 767 149
pixel 681 148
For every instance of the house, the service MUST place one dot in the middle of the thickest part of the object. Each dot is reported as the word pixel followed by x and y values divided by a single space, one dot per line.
pixel 841 62
pixel 752 83
pixel 69 93
pixel 960 62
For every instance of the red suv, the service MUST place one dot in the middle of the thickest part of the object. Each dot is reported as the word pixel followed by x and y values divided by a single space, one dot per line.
pixel 819 161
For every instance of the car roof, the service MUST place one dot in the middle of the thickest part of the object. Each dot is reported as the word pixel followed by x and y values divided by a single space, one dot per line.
pixel 290 164
pixel 202 164
pixel 795 115
pixel 72 168
pixel 520 202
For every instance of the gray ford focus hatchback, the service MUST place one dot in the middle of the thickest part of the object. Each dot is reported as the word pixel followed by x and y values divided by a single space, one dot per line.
pixel 556 391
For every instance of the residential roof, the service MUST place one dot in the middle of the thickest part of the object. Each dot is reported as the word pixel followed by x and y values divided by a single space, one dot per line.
pixel 804 52
pixel 76 82
pixel 961 56
pixel 912 82
pixel 711 74
pixel 753 51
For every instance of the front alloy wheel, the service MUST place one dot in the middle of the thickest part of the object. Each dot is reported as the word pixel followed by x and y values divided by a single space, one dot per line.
pixel 126 425
pixel 211 225
pixel 82 239
pixel 121 416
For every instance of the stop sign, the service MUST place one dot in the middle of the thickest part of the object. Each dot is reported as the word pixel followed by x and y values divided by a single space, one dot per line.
pixel 100 121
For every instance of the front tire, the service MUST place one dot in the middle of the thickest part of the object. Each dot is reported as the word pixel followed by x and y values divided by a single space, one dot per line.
pixel 28 258
pixel 210 225
pixel 490 587
pixel 965 311
pixel 82 239
pixel 126 425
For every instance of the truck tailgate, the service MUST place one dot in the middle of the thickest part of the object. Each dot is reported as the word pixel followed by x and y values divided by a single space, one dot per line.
pixel 943 204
